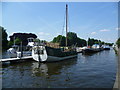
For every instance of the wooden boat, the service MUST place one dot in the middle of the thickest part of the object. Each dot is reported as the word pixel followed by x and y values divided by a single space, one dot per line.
pixel 44 53
pixel 49 54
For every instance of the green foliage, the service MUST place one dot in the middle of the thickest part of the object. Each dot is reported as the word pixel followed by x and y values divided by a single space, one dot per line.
pixel 110 44
pixel 17 41
pixel 118 42
pixel 10 43
pixel 102 42
pixel 92 41
pixel 81 42
pixel 4 38
pixel 36 40
pixel 43 41
pixel 72 40
pixel 59 39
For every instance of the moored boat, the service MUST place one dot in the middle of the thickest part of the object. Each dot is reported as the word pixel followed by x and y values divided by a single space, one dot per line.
pixel 21 51
pixel 91 50
pixel 106 47
pixel 48 53
pixel 95 48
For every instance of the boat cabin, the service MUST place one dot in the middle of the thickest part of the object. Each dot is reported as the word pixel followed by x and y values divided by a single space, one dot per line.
pixel 30 42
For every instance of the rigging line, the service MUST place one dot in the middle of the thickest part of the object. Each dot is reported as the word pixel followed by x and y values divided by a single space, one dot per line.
pixel 63 28
pixel 68 24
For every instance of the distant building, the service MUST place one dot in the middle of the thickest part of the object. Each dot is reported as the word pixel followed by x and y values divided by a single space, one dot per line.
pixel 23 36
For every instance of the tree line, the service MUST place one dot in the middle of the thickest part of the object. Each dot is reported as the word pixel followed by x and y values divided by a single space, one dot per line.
pixel 73 40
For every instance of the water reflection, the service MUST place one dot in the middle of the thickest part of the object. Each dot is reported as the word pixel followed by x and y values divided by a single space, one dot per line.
pixel 54 68
pixel 87 71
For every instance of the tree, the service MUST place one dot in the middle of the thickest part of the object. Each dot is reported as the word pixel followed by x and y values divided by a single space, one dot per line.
pixel 72 38
pixel 81 42
pixel 59 39
pixel 102 43
pixel 91 41
pixel 17 41
pixel 118 42
pixel 36 40
pixel 10 43
pixel 4 38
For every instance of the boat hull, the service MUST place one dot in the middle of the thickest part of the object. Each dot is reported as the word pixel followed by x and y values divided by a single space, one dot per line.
pixel 56 59
pixel 52 55
pixel 106 48
pixel 85 51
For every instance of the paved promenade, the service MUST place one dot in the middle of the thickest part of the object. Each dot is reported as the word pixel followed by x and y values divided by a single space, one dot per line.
pixel 117 82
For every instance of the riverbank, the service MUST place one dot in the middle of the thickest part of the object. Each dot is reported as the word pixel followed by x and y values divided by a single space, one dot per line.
pixel 116 49
pixel 117 81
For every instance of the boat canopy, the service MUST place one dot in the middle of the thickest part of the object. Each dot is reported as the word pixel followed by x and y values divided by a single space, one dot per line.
pixel 96 46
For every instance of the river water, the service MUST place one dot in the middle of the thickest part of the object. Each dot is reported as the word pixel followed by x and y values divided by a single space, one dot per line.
pixel 87 71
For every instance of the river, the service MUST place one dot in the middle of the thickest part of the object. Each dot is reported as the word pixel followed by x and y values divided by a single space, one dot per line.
pixel 87 71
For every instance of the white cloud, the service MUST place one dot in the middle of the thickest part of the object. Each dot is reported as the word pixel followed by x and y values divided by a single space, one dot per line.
pixel 47 34
pixel 104 30
pixel 58 34
pixel 12 33
pixel 93 33
pixel 117 28
pixel 43 34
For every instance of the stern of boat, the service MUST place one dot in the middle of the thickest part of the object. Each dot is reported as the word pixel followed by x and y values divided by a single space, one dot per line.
pixel 39 53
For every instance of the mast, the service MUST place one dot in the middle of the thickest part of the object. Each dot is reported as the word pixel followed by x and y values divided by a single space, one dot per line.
pixel 87 43
pixel 66 22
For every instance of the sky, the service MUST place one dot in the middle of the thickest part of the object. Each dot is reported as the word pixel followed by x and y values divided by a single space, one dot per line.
pixel 97 20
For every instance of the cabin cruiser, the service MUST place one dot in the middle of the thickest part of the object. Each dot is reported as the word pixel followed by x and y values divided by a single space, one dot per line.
pixel 106 47
pixel 95 48
pixel 80 49
pixel 21 51
pixel 12 52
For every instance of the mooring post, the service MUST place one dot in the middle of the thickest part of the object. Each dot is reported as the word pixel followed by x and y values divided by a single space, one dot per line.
pixel 38 52
pixel 21 50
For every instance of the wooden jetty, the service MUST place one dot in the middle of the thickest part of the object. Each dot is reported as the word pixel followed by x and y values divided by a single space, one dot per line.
pixel 16 59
